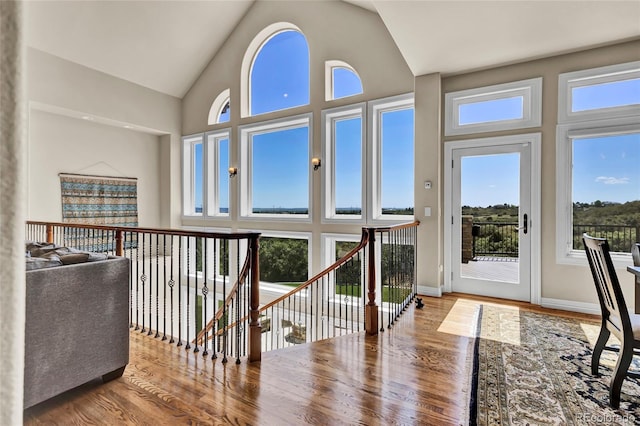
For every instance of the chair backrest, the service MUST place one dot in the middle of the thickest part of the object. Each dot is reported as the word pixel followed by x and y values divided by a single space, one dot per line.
pixel 635 253
pixel 614 309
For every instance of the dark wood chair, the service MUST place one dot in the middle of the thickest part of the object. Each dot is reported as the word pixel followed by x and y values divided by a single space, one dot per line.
pixel 615 316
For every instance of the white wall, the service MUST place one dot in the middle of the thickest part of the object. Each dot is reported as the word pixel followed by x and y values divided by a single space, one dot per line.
pixel 563 286
pixel 60 144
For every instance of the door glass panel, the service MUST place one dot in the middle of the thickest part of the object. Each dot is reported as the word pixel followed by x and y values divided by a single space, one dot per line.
pixel 490 197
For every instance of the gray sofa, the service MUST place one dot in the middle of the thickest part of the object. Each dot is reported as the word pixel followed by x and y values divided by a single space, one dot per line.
pixel 77 326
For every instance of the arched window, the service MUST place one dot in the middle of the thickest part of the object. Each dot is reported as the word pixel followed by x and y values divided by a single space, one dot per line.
pixel 341 80
pixel 220 111
pixel 275 71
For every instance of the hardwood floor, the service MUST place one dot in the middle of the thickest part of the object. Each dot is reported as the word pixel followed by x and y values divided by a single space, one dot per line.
pixel 414 373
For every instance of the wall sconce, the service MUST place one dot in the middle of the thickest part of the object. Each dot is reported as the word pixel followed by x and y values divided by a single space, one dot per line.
pixel 233 171
pixel 316 163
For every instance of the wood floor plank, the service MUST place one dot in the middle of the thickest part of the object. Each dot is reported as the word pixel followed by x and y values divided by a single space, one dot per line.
pixel 414 373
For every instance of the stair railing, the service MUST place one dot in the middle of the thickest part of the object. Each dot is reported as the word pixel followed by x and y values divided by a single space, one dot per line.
pixel 178 279
pixel 212 286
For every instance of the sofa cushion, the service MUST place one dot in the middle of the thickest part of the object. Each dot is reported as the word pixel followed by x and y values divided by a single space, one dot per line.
pixel 42 262
pixel 54 255
pixel 71 258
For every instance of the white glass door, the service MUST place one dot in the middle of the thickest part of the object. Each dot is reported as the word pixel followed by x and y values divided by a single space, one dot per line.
pixel 490 221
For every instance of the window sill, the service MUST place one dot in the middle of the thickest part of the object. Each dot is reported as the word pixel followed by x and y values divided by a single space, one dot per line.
pixel 579 258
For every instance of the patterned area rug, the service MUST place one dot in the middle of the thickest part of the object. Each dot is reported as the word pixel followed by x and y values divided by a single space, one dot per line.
pixel 535 369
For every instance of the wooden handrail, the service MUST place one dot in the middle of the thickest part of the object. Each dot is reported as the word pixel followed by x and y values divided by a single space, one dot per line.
pixel 344 259
pixel 367 236
pixel 160 231
pixel 397 227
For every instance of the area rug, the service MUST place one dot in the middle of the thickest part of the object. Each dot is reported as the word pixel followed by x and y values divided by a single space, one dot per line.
pixel 535 369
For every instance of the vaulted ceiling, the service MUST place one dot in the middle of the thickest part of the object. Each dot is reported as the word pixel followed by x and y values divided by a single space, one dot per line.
pixel 165 45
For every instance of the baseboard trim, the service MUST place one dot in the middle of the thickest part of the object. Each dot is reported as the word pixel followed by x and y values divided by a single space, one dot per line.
pixel 569 305
pixel 430 291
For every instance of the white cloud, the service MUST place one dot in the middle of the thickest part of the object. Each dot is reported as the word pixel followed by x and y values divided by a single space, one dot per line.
pixel 610 180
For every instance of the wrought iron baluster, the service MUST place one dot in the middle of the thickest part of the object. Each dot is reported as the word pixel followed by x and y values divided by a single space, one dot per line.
pixel 137 281
pixel 130 257
pixel 150 284
pixel 224 309
pixel 179 291
pixel 172 283
pixel 188 345
pixel 205 291
pixel 157 286
pixel 143 278
pixel 214 331
pixel 164 287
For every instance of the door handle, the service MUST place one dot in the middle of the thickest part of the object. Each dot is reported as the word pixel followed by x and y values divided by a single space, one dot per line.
pixel 525 226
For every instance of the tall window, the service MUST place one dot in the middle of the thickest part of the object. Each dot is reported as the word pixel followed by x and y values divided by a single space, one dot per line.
pixel 280 73
pixel 598 152
pixel 193 175
pixel 343 137
pixel 275 158
pixel 218 175
pixel 392 173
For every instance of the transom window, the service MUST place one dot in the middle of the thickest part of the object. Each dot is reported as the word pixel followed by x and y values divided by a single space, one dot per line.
pixel 506 106
pixel 598 152
pixel 612 90
pixel 341 80
pixel 220 111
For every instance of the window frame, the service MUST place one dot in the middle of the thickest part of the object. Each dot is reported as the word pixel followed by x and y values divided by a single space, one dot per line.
pixel 328 204
pixel 217 106
pixel 530 90
pixel 328 247
pixel 245 194
pixel 298 235
pixel 565 134
pixel 188 175
pixel 329 92
pixel 594 76
pixel 249 57
pixel 374 158
pixel 211 154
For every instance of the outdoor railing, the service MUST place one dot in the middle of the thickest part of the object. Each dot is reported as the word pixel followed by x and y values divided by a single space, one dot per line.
pixel 620 237
pixel 201 289
pixel 498 239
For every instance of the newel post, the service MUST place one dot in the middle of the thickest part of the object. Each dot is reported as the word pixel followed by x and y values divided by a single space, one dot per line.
pixel 50 233
pixel 119 243
pixel 255 330
pixel 371 309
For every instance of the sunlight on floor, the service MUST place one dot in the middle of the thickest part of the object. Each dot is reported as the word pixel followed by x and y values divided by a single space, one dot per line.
pixel 503 323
